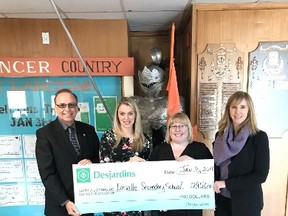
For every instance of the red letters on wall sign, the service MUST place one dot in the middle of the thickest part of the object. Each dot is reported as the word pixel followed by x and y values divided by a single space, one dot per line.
pixel 35 67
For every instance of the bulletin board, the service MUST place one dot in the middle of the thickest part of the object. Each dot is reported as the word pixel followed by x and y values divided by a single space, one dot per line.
pixel 26 105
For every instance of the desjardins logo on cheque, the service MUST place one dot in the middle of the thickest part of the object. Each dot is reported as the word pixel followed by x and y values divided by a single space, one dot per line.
pixel 110 175
pixel 83 175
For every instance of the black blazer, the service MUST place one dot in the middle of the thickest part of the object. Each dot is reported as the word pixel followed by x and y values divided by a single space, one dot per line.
pixel 55 156
pixel 247 171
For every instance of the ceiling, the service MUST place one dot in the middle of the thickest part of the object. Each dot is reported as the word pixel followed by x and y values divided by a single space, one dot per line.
pixel 142 15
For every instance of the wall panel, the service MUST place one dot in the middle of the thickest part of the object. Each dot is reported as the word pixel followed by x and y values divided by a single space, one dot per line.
pixel 23 38
pixel 245 25
pixel 94 38
pixel 101 38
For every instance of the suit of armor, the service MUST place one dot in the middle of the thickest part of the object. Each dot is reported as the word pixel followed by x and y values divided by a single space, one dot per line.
pixel 152 106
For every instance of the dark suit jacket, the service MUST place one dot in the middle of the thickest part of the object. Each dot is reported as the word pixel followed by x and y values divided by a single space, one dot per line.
pixel 55 156
pixel 247 171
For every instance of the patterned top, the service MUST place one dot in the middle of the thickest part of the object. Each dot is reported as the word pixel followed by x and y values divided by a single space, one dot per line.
pixel 122 153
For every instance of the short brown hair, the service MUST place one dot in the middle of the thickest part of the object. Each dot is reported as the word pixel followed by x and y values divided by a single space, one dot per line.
pixel 67 91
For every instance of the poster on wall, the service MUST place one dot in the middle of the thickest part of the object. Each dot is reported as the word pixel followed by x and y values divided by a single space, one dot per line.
pixel 220 74
pixel 83 114
pixel 102 120
pixel 268 86
pixel 26 105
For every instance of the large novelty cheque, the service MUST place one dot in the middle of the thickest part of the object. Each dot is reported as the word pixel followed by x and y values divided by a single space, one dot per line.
pixel 152 185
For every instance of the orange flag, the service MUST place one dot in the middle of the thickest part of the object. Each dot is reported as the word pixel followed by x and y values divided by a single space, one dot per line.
pixel 172 87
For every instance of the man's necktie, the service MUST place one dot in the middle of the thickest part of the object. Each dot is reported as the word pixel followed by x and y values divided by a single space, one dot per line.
pixel 73 140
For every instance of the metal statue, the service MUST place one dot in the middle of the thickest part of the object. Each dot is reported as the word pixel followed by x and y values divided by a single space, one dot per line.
pixel 153 106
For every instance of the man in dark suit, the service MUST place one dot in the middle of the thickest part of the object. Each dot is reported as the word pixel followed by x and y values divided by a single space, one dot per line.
pixel 55 154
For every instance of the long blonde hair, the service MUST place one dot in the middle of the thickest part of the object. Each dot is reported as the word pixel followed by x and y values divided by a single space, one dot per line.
pixel 235 99
pixel 138 136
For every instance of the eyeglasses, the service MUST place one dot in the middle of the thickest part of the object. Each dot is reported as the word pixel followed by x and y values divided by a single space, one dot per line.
pixel 178 126
pixel 63 105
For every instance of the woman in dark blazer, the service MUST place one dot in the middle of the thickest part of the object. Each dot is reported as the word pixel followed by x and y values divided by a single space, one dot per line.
pixel 241 155
pixel 179 145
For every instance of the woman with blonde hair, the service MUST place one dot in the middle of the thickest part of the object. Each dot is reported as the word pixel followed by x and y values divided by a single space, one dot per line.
pixel 125 142
pixel 241 155
pixel 179 145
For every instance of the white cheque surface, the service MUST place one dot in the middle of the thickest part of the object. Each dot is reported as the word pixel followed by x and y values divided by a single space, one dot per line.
pixel 152 185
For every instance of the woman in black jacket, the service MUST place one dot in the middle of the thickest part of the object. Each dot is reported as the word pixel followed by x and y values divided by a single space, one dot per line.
pixel 241 155
pixel 179 145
